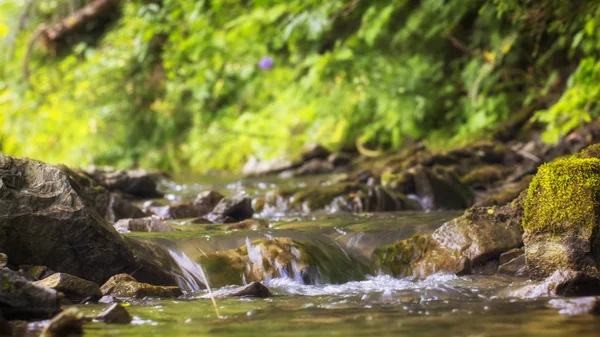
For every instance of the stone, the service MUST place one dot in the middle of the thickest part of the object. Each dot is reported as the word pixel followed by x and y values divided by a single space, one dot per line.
pixel 124 285
pixel 22 299
pixel 74 288
pixel 232 209
pixel 312 167
pixel 254 167
pixel 3 260
pixel 207 200
pixel 560 283
pixel 248 224
pixel 515 267
pixel 68 322
pixel 577 306
pixel 108 300
pixel 314 151
pixel 254 289
pixel 45 221
pixel 510 255
pixel 441 188
pixel 458 246
pixel 114 314
pixel 339 159
pixel 109 205
pixel 561 219
pixel 148 224
pixel 136 183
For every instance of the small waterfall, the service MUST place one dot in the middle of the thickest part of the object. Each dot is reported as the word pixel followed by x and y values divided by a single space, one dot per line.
pixel 192 277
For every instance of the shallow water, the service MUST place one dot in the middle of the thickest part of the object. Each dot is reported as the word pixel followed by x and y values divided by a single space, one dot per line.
pixel 366 305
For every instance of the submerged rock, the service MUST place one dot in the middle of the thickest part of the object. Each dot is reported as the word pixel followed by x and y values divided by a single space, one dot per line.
pixel 280 257
pixel 21 299
pixel 74 288
pixel 137 183
pixel 459 246
pixel 67 323
pixel 116 314
pixel 232 209
pixel 577 306
pixel 124 285
pixel 148 224
pixel 254 289
pixel 45 221
pixel 248 224
pixel 561 221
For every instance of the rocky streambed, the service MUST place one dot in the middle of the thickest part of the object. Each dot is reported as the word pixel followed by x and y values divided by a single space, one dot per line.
pixel 493 239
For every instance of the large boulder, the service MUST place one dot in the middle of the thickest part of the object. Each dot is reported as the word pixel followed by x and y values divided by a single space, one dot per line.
pixel 460 246
pixel 21 299
pixel 111 206
pixel 45 221
pixel 561 220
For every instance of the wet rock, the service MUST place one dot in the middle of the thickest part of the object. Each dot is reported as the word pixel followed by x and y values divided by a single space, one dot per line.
pixel 3 260
pixel 35 272
pixel 67 323
pixel 116 314
pixel 21 299
pixel 459 246
pixel 339 159
pixel 482 177
pixel 74 288
pixel 561 225
pixel 148 224
pixel 109 300
pixel 137 183
pixel 505 193
pixel 124 285
pixel 248 224
pixel 560 283
pixel 254 289
pixel 110 206
pixel 511 255
pixel 280 257
pixel 517 267
pixel 254 167
pixel 232 209
pixel 45 221
pixel 577 306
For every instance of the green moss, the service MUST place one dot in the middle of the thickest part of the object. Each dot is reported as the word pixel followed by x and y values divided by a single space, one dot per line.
pixel 592 151
pixel 563 197
pixel 398 258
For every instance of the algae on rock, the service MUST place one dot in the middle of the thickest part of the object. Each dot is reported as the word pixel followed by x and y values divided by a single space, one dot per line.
pixel 561 218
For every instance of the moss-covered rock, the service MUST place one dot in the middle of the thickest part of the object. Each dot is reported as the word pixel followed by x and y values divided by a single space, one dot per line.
pixel 67 323
pixel 21 299
pixel 561 224
pixel 459 246
pixel 280 257
pixel 124 285
pixel 74 288
pixel 505 193
pixel 483 176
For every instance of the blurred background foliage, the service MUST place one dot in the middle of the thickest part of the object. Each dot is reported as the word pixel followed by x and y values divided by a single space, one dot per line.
pixel 175 84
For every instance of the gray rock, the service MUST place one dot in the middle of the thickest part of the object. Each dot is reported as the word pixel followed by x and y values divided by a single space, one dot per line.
pixel 577 306
pixel 560 283
pixel 460 246
pixel 21 299
pixel 254 289
pixel 148 224
pixel 116 314
pixel 516 267
pixel 510 255
pixel 232 209
pixel 74 288
pixel 137 183
pixel 35 272
pixel 68 322
pixel 45 221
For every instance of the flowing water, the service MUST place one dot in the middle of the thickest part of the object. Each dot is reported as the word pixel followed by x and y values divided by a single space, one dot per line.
pixel 365 303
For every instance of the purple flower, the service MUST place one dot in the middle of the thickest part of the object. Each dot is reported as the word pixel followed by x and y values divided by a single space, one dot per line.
pixel 266 63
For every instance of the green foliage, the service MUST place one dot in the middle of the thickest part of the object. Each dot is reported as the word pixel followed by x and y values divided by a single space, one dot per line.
pixel 175 84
